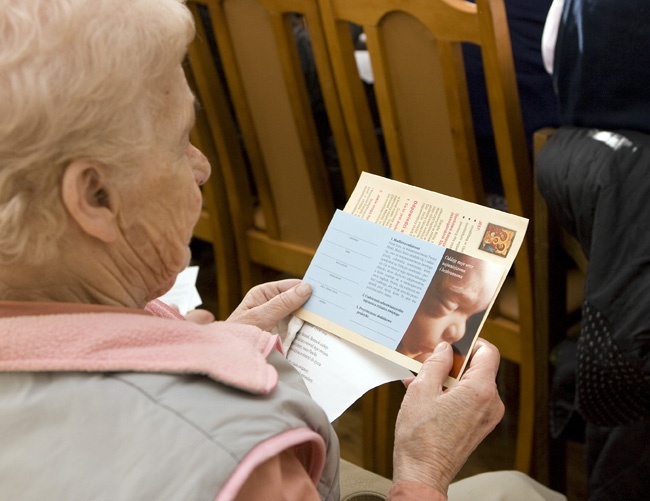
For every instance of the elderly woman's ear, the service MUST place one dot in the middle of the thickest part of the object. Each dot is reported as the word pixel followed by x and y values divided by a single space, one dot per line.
pixel 88 196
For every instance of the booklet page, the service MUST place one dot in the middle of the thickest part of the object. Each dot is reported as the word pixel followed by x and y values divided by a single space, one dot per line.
pixel 369 283
pixel 336 371
pixel 399 271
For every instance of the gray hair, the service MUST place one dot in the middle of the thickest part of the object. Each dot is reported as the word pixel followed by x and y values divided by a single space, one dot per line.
pixel 78 80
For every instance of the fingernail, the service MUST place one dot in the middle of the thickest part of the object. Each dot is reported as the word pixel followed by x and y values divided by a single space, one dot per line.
pixel 442 346
pixel 304 289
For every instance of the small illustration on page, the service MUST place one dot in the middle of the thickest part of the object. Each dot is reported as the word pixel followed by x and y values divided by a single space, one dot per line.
pixel 497 240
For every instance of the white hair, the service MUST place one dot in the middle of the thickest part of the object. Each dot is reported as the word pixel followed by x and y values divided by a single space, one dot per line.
pixel 79 79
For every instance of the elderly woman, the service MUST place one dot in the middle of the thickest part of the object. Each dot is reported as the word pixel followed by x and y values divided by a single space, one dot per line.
pixel 104 392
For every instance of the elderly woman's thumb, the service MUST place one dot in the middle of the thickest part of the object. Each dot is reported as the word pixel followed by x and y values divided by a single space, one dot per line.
pixel 439 363
pixel 295 297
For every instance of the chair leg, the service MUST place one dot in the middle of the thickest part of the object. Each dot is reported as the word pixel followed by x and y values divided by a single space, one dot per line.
pixel 526 419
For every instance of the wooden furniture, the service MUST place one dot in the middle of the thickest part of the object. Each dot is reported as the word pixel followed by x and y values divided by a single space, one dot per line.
pixel 270 161
pixel 214 225
pixel 421 92
pixel 274 174
pixel 560 270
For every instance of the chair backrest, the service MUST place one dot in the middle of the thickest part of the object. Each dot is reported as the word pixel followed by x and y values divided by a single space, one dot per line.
pixel 415 49
pixel 278 187
pixel 416 57
pixel 214 225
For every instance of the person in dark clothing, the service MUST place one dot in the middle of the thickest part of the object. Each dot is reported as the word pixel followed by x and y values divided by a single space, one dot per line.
pixel 601 67
pixel 597 187
pixel 594 175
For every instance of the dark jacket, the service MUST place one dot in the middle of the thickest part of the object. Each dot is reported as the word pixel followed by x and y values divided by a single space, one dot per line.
pixel 597 184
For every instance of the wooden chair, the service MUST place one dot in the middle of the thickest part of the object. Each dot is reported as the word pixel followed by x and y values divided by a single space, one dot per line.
pixel 560 270
pixel 214 225
pixel 281 210
pixel 421 93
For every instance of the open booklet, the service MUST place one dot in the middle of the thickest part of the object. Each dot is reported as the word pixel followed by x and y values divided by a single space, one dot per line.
pixel 398 271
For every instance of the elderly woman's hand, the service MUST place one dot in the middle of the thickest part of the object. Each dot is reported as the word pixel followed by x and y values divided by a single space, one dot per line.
pixel 437 429
pixel 266 304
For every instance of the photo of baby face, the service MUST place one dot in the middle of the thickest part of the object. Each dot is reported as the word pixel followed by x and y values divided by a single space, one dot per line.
pixel 461 287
